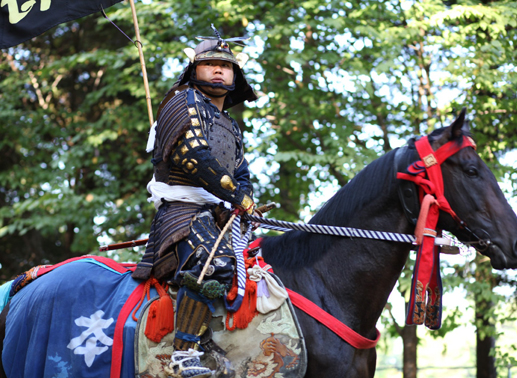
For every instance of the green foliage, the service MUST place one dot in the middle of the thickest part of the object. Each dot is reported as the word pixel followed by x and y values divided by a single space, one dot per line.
pixel 72 161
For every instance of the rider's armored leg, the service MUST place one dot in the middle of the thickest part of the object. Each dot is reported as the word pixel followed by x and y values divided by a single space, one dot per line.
pixel 193 253
pixel 192 319
pixel 194 300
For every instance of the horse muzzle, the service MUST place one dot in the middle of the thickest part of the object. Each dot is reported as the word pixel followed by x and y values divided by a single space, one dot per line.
pixel 501 258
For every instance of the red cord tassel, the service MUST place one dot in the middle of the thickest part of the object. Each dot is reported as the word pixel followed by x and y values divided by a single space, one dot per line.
pixel 160 319
pixel 248 310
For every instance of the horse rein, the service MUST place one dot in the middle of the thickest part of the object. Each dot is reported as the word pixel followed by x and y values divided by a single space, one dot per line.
pixel 409 198
pixel 483 244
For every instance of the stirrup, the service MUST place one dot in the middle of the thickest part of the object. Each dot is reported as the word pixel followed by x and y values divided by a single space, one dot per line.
pixel 186 364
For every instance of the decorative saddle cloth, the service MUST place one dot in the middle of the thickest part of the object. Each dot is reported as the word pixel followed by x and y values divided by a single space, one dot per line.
pixel 68 322
pixel 271 346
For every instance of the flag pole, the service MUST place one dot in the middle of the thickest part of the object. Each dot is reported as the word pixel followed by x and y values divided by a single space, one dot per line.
pixel 142 63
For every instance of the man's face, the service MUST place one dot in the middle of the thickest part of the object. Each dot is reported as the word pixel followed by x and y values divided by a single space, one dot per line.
pixel 215 71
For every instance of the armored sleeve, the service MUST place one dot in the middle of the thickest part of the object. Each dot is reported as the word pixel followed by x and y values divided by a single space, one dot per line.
pixel 242 176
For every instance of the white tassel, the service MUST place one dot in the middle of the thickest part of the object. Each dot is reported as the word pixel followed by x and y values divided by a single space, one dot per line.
pixel 152 137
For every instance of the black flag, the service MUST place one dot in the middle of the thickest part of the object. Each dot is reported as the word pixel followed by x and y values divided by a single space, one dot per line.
pixel 21 20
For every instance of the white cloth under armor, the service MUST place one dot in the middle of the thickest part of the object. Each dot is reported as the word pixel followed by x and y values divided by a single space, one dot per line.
pixel 191 194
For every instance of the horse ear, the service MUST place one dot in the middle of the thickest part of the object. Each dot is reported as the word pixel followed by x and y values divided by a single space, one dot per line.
pixel 459 126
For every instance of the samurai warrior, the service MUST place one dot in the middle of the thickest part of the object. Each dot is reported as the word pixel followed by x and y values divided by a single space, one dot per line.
pixel 199 166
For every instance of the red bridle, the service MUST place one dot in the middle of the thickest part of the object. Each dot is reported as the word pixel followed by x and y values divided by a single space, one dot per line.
pixel 426 173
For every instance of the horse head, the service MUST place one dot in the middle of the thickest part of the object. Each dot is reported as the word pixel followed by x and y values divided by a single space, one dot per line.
pixel 489 223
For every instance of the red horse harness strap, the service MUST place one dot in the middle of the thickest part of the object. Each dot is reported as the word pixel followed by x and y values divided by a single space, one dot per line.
pixel 430 166
pixel 425 304
pixel 336 326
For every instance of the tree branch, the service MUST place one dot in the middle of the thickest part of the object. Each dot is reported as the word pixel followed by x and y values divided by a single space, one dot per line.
pixel 37 89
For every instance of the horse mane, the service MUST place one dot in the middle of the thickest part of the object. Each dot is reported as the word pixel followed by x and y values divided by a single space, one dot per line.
pixel 365 187
pixel 369 184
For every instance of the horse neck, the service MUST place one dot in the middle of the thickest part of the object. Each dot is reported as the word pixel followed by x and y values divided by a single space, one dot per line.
pixel 349 278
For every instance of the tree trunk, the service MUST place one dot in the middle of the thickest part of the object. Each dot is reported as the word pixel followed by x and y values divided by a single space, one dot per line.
pixel 485 364
pixel 485 329
pixel 410 341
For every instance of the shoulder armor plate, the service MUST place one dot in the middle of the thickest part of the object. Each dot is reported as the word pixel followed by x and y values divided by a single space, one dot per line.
pixel 175 118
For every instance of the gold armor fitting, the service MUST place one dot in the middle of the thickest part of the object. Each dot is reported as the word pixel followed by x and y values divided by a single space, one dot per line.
pixel 227 183
pixel 248 204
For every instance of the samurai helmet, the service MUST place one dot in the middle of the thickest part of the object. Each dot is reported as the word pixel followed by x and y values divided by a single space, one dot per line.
pixel 217 48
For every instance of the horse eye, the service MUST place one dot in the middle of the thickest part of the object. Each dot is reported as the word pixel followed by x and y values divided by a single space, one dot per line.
pixel 472 172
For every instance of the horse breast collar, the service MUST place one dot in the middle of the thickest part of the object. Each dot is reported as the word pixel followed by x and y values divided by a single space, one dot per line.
pixel 427 175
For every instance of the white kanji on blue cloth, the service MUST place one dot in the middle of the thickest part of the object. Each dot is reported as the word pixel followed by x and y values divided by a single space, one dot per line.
pixel 92 335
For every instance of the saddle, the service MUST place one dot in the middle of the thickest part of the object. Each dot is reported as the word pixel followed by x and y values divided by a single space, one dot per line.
pixel 272 345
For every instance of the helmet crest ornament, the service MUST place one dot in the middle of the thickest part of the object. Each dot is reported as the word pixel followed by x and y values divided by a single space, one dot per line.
pixel 221 42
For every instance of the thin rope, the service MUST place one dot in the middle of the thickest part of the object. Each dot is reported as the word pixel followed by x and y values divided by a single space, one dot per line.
pixel 277 225
pixel 119 29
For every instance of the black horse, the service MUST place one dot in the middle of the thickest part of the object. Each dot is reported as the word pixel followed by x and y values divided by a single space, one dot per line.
pixel 352 278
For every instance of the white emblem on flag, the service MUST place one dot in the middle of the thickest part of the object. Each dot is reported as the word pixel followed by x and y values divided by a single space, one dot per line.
pixel 17 14
pixel 93 335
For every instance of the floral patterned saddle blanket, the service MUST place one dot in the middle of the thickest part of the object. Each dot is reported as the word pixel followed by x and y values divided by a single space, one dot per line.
pixel 271 346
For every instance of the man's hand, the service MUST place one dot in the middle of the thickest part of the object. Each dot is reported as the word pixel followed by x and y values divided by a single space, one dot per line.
pixel 255 225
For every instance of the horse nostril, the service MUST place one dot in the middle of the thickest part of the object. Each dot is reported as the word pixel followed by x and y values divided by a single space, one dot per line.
pixel 515 248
